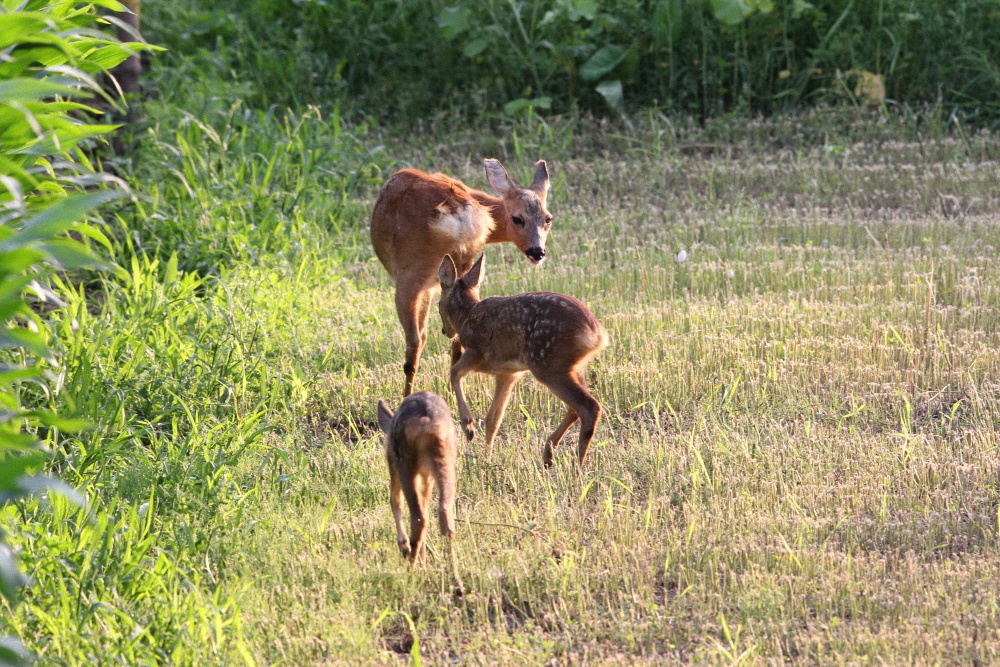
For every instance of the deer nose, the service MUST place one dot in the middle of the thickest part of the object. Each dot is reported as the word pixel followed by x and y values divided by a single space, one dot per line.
pixel 535 254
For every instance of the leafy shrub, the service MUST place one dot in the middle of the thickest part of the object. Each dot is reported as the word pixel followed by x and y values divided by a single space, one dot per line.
pixel 51 54
pixel 397 60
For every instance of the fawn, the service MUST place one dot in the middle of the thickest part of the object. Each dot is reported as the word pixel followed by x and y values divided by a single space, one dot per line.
pixel 420 451
pixel 419 218
pixel 552 335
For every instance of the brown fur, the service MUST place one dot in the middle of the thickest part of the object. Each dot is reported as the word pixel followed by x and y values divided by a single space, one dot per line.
pixel 420 452
pixel 551 335
pixel 413 226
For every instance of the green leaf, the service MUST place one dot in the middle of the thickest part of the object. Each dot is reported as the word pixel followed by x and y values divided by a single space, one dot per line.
pixel 667 20
pixel 94 233
pixel 65 424
pixel 9 375
pixel 602 62
pixel 57 218
pixel 612 93
pixel 111 5
pixel 15 26
pixel 475 47
pixel 799 7
pixel 23 338
pixel 731 12
pixel 10 295
pixel 70 254
pixel 14 468
pixel 454 20
pixel 521 104
pixel 32 89
pixel 16 261
pixel 108 56
pixel 30 484
pixel 581 9
pixel 11 579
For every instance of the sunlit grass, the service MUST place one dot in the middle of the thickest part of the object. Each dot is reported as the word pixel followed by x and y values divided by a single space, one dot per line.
pixel 798 459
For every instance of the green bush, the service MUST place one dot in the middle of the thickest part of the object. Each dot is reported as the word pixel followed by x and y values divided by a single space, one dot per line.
pixel 51 56
pixel 396 60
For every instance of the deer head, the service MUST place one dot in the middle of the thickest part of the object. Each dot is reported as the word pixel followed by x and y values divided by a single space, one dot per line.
pixel 527 220
pixel 458 295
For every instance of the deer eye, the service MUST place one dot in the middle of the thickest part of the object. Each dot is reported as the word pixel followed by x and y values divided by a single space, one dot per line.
pixel 518 220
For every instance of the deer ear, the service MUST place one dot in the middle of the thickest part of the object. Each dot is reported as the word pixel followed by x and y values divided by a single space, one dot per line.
pixel 447 273
pixel 540 183
pixel 475 275
pixel 384 417
pixel 498 178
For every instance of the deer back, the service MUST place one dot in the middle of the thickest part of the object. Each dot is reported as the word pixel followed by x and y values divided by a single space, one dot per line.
pixel 419 218
pixel 421 429
pixel 537 329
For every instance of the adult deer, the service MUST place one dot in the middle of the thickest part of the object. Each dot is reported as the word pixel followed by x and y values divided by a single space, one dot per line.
pixel 420 451
pixel 419 218
pixel 552 335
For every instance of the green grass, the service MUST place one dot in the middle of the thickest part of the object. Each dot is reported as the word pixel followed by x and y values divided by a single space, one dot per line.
pixel 798 459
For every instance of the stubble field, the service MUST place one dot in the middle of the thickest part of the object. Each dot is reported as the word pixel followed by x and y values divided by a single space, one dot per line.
pixel 798 460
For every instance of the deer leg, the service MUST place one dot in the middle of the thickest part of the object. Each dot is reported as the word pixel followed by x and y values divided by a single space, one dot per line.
pixel 572 391
pixel 465 365
pixel 407 307
pixel 446 518
pixel 456 350
pixel 396 502
pixel 557 436
pixel 425 487
pixel 418 519
pixel 501 394
pixel 423 315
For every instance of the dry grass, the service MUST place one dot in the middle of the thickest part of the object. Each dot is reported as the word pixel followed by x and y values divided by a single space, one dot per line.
pixel 799 460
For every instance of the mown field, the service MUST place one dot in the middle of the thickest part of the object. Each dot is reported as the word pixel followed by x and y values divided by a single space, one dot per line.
pixel 799 456
pixel 798 460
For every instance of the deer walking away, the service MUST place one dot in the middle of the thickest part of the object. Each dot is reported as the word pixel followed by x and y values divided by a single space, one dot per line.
pixel 551 335
pixel 419 218
pixel 420 451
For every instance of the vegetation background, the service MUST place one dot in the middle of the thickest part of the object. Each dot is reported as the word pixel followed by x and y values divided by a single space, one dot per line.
pixel 405 61
pixel 799 460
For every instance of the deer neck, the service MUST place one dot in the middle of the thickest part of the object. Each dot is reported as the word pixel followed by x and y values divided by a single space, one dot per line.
pixel 501 220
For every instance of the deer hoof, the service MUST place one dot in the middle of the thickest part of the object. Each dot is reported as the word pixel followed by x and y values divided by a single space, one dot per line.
pixel 470 431
pixel 547 457
pixel 404 548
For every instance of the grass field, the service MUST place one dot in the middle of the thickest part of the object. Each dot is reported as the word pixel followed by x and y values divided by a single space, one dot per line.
pixel 798 460
pixel 799 456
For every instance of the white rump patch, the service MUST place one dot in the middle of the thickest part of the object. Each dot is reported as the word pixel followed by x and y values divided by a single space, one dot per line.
pixel 469 225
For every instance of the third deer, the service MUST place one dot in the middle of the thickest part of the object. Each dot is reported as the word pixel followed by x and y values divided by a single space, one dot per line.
pixel 552 335
pixel 420 451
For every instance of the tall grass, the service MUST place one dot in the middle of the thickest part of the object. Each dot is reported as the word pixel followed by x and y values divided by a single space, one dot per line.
pixel 241 185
